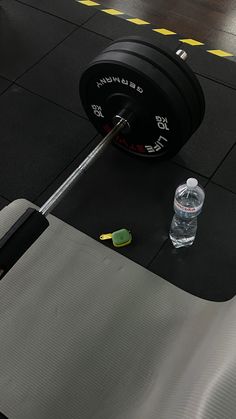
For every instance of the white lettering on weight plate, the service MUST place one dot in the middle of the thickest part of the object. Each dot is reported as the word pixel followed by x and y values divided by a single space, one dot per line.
pixel 97 110
pixel 162 122
pixel 158 145
pixel 150 148
pixel 115 79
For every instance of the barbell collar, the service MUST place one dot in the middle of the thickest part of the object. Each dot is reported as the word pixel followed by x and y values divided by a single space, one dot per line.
pixel 115 121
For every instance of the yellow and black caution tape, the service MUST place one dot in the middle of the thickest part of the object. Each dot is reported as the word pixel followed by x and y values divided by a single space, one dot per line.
pixel 162 31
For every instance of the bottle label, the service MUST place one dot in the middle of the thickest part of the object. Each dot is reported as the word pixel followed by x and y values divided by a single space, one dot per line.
pixel 190 210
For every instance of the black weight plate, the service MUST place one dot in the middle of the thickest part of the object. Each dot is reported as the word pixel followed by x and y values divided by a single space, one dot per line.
pixel 112 100
pixel 171 70
pixel 102 105
pixel 179 62
pixel 116 78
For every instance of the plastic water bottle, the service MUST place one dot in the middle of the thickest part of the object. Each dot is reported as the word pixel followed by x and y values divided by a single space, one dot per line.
pixel 188 203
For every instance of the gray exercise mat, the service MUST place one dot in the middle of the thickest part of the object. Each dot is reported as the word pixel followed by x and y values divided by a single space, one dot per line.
pixel 85 333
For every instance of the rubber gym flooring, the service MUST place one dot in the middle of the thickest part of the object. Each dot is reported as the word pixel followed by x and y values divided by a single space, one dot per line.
pixel 44 48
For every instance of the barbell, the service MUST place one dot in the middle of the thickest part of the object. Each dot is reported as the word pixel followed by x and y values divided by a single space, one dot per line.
pixel 143 98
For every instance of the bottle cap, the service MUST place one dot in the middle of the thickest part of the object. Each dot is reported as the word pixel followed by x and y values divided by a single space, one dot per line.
pixel 192 183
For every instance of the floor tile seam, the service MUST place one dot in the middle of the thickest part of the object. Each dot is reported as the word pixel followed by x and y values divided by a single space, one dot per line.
pixel 51 101
pixel 64 170
pixel 87 20
pixel 216 81
pixel 156 254
pixel 212 182
pixel 52 14
pixel 210 177
pixel 198 173
pixel 5 78
pixel 96 33
pixel 45 55
pixel 220 164
pixel 3 197
pixel 8 87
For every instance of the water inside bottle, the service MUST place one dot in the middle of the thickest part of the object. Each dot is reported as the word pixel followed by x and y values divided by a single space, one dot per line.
pixel 182 233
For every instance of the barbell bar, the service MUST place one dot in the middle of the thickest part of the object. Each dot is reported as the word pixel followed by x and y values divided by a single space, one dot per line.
pixel 140 97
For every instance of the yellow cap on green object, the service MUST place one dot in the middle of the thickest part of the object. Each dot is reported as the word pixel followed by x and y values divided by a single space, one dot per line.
pixel 119 238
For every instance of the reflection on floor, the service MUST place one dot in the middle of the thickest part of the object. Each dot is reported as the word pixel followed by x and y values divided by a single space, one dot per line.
pixel 211 21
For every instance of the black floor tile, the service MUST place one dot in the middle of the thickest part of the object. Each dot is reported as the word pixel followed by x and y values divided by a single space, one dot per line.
pixel 119 191
pixel 38 140
pixel 207 269
pixel 26 35
pixel 66 9
pixel 57 75
pixel 216 135
pixel 226 174
pixel 3 202
pixel 4 84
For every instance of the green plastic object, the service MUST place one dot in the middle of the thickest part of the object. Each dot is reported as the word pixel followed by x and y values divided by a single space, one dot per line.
pixel 119 238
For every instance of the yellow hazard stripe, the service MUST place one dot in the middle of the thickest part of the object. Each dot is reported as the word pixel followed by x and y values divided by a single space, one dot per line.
pixel 164 31
pixel 220 53
pixel 88 2
pixel 138 21
pixel 192 42
pixel 113 12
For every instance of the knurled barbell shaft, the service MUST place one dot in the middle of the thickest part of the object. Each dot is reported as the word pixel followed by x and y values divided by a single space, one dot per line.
pixel 59 194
